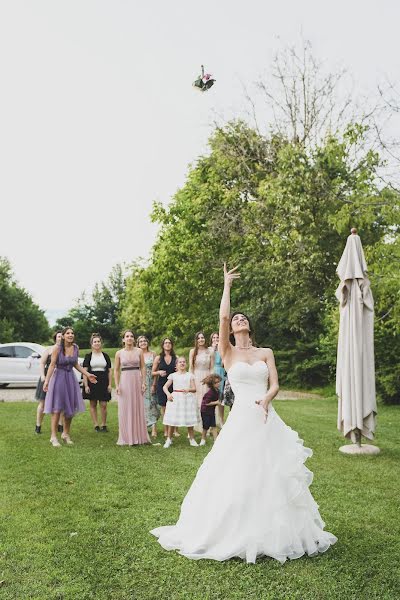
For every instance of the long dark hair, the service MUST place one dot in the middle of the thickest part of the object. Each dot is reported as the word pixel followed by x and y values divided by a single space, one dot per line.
pixel 124 334
pixel 55 334
pixel 63 332
pixel 196 347
pixel 211 337
pixel 251 328
pixel 162 353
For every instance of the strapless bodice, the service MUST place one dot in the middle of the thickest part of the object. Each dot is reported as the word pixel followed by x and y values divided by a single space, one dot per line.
pixel 249 381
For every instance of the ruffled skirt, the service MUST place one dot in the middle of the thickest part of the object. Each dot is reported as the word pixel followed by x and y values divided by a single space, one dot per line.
pixel 250 497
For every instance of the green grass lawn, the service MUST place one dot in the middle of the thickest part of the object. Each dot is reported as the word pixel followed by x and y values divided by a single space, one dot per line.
pixel 75 521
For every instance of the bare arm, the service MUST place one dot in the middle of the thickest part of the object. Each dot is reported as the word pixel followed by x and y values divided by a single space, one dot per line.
pixel 224 345
pixel 273 382
pixel 54 356
pixel 212 360
pixel 92 378
pixel 42 364
pixel 155 372
pixel 191 360
pixel 86 383
pixel 192 389
pixel 166 391
pixel 155 377
pixel 117 366
pixel 142 370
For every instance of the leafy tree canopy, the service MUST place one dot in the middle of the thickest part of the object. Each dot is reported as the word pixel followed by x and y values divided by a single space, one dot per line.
pixel 281 210
pixel 20 318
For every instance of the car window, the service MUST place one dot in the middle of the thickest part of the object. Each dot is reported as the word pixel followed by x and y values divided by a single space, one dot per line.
pixel 22 351
pixel 6 352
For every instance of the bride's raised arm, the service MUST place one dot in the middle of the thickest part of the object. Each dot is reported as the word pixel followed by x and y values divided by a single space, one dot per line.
pixel 224 345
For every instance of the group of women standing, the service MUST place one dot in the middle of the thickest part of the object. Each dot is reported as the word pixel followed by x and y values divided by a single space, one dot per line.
pixel 140 376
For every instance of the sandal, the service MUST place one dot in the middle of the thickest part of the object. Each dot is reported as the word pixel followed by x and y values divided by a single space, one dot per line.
pixel 67 439
pixel 54 442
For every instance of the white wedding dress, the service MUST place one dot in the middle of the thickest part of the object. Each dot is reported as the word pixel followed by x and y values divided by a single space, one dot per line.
pixel 250 496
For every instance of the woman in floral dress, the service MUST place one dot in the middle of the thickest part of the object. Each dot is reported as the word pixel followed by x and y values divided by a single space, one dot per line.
pixel 151 408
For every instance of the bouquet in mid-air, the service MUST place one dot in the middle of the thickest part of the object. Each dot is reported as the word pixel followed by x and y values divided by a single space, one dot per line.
pixel 204 82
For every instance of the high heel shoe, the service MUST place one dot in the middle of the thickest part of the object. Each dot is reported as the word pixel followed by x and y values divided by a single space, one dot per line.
pixel 67 439
pixel 54 442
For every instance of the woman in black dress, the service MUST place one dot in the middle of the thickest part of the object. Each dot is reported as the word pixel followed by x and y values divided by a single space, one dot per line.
pixel 98 363
pixel 164 364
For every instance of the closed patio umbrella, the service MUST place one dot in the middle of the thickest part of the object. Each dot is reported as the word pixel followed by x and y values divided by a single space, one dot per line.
pixel 355 368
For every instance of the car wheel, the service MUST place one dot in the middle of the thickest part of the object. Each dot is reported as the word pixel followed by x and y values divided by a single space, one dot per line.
pixel 3 385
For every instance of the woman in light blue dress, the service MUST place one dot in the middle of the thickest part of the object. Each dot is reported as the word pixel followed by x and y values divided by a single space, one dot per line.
pixel 220 371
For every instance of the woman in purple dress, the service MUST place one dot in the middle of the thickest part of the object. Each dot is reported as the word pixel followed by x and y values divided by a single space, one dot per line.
pixel 63 391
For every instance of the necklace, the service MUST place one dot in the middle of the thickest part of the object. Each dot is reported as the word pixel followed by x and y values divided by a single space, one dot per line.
pixel 244 347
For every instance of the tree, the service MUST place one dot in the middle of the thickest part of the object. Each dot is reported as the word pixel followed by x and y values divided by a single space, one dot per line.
pixel 21 319
pixel 281 211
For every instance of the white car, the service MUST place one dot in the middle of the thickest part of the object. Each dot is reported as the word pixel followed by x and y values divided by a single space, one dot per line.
pixel 19 363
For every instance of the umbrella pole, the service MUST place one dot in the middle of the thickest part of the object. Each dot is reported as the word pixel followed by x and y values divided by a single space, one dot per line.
pixel 358 437
pixel 358 447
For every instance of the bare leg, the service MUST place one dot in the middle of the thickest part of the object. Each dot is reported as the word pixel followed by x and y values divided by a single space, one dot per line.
pixel 191 432
pixel 93 412
pixel 221 410
pixel 39 413
pixel 54 423
pixel 61 420
pixel 67 425
pixel 203 434
pixel 103 408
pixel 154 430
pixel 165 426
pixel 214 432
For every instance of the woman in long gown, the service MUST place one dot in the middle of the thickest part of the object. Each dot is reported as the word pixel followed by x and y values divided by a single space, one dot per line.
pixel 251 495
pixel 201 364
pixel 151 408
pixel 130 381
pixel 220 371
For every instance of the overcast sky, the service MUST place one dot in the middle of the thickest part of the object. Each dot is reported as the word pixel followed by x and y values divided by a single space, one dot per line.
pixel 98 117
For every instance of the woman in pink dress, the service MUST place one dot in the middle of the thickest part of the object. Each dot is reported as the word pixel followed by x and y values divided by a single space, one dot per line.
pixel 130 381
pixel 201 364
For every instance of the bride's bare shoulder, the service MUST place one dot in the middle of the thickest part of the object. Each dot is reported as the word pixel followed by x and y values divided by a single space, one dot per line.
pixel 266 353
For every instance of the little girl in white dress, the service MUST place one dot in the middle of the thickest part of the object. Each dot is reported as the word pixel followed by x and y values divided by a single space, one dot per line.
pixel 181 408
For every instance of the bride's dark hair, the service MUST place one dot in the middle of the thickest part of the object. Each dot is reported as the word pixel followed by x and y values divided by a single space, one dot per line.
pixel 251 328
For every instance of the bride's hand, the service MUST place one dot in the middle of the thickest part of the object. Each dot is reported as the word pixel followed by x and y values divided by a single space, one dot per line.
pixel 265 405
pixel 229 276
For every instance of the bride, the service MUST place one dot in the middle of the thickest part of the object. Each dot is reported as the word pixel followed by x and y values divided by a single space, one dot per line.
pixel 250 496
